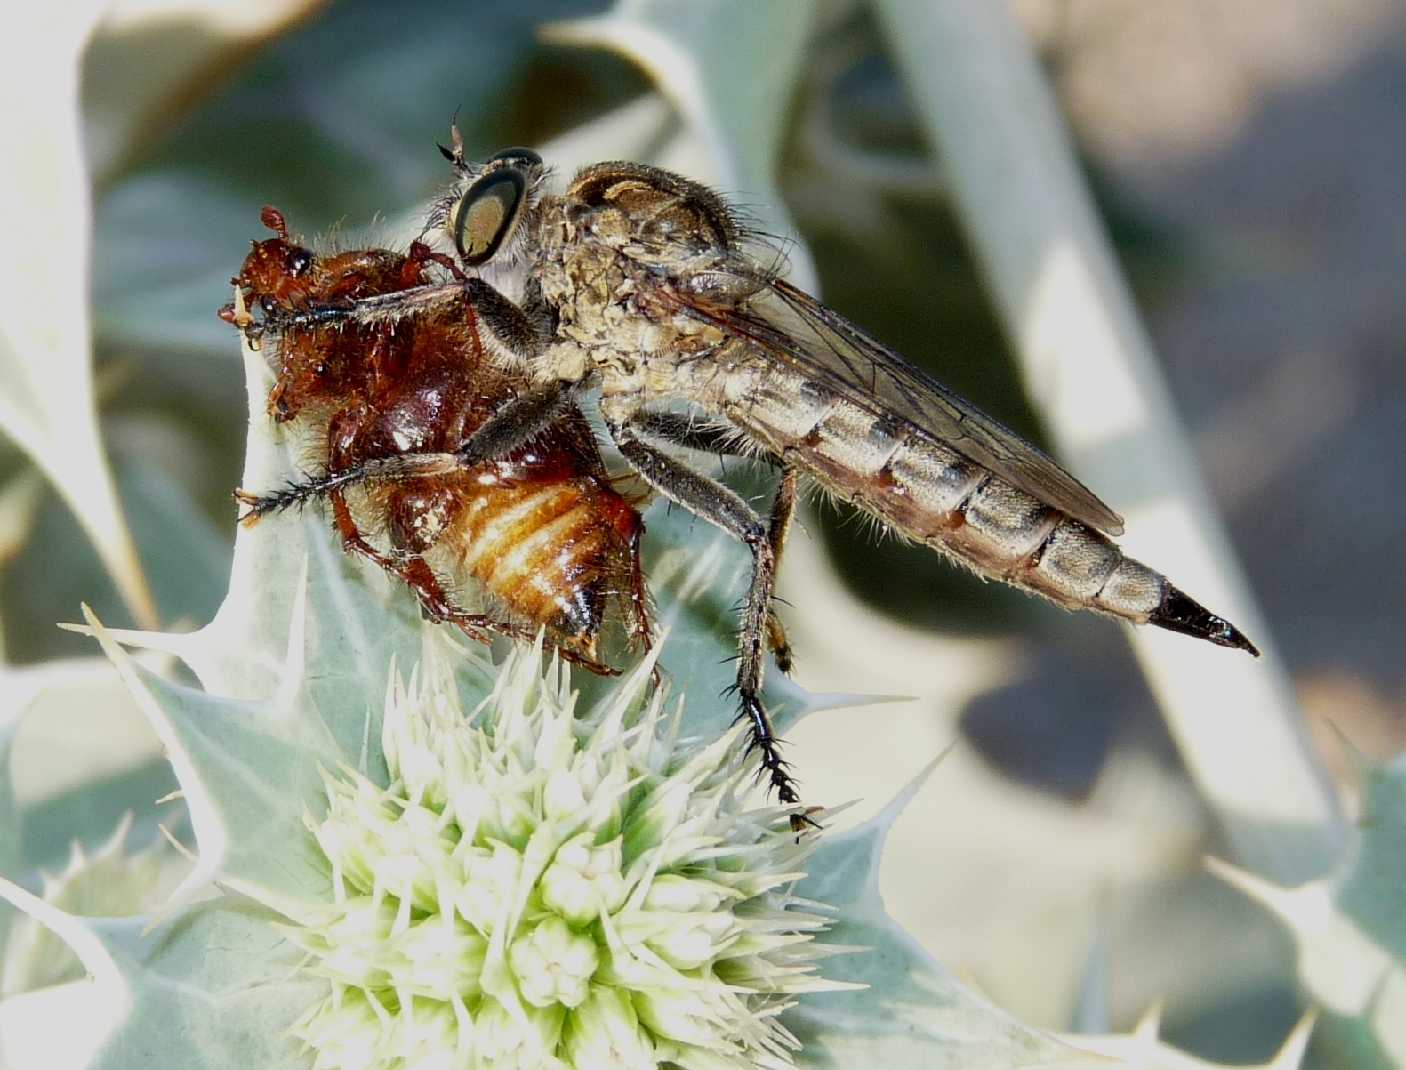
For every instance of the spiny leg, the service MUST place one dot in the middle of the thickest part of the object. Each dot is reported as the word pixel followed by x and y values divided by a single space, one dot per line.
pixel 502 316
pixel 720 506
pixel 516 423
pixel 376 309
pixel 682 429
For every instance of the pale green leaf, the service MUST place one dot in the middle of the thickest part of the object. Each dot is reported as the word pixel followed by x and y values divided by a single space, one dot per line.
pixel 1016 185
pixel 248 772
pixel 328 142
pixel 913 1012
pixel 46 393
pixel 151 59
pixel 213 987
pixel 42 1021
pixel 731 69
pixel 1350 929
pixel 114 879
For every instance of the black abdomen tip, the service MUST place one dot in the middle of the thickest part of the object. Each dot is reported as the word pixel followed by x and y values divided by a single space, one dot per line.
pixel 1179 613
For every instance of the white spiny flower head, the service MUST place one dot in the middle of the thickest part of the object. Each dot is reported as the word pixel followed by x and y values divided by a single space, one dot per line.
pixel 538 889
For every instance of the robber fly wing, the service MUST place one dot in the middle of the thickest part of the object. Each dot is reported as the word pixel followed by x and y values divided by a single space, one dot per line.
pixel 796 329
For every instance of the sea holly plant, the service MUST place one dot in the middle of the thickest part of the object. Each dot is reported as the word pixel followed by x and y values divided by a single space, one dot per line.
pixel 1349 928
pixel 411 852
pixel 344 767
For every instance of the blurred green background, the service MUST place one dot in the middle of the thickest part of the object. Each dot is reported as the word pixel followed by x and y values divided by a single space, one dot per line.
pixel 1247 160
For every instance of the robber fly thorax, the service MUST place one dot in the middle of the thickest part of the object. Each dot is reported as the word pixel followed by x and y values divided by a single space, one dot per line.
pixel 601 279
pixel 642 284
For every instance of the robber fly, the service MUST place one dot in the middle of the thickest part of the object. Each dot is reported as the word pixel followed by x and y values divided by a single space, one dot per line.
pixel 539 528
pixel 644 285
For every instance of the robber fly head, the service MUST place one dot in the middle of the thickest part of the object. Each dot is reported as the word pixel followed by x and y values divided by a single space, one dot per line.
pixel 483 215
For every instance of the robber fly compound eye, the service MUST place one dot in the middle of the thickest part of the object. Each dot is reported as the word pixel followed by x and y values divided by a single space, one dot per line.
pixel 518 157
pixel 490 209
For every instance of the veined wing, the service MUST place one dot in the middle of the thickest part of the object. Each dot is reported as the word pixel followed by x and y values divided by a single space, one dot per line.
pixel 795 328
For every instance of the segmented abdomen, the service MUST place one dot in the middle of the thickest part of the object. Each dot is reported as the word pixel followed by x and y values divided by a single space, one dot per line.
pixel 932 493
pixel 552 551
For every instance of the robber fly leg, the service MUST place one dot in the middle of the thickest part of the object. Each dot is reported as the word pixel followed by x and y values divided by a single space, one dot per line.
pixel 783 508
pixel 377 309
pixel 682 429
pixel 515 424
pixel 509 335
pixel 298 493
pixel 711 501
pixel 512 337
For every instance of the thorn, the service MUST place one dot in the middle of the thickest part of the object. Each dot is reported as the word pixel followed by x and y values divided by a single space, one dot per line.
pixel 1291 1053
pixel 1149 1026
pixel 1288 904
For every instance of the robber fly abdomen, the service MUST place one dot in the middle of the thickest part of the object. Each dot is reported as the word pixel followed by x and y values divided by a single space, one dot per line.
pixel 934 495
